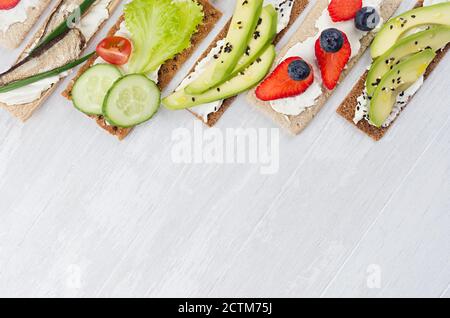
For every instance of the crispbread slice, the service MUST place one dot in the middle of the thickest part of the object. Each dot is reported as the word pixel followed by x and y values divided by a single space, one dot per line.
pixel 167 71
pixel 17 32
pixel 296 124
pixel 25 111
pixel 297 9
pixel 347 108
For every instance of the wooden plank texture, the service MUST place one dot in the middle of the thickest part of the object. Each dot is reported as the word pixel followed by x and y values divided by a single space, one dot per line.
pixel 82 214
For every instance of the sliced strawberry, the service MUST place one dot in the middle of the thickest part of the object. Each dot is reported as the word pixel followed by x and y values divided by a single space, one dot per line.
pixel 343 10
pixel 332 64
pixel 8 4
pixel 280 84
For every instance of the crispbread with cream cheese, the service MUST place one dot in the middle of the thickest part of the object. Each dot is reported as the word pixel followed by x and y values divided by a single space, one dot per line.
pixel 25 111
pixel 297 9
pixel 296 124
pixel 16 33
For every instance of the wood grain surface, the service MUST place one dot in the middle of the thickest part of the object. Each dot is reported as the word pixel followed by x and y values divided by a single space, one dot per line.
pixel 82 214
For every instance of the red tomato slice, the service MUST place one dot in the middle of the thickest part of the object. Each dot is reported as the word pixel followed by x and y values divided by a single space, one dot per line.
pixel 8 4
pixel 115 50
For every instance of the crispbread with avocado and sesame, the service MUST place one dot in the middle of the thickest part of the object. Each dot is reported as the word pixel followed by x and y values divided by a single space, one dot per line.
pixel 295 124
pixel 347 108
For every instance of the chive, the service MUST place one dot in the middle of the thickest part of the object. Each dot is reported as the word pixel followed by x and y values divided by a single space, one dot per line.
pixel 63 27
pixel 36 78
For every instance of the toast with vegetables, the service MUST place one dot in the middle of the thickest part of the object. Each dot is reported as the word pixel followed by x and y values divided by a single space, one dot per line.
pixel 56 45
pixel 267 23
pixel 405 52
pixel 159 56
pixel 321 53
pixel 17 17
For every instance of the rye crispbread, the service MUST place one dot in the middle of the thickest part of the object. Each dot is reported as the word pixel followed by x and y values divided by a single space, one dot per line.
pixel 167 71
pixel 296 124
pixel 16 33
pixel 25 111
pixel 347 108
pixel 297 8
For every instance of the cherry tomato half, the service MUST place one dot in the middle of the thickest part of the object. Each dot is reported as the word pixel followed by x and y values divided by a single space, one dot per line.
pixel 115 50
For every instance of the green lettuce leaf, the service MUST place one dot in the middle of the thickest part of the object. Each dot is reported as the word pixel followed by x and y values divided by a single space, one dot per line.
pixel 160 29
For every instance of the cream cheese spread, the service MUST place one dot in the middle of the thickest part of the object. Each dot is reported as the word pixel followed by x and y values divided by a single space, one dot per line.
pixel 284 9
pixel 96 15
pixel 18 14
pixel 431 2
pixel 296 105
pixel 30 92
pixel 205 109
pixel 362 107
pixel 88 25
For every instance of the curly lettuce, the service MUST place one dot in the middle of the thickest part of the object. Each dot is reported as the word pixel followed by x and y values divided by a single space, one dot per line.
pixel 160 29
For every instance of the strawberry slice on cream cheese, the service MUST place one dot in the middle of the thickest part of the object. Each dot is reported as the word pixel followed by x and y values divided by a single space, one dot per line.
pixel 8 4
pixel 330 55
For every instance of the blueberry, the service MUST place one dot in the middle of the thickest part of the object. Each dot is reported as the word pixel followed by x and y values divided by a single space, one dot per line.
pixel 299 70
pixel 367 19
pixel 331 40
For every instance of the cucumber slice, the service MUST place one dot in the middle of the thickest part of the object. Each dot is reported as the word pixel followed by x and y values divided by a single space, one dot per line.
pixel 132 100
pixel 90 89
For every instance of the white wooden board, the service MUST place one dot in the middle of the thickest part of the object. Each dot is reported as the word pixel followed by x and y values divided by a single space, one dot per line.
pixel 82 214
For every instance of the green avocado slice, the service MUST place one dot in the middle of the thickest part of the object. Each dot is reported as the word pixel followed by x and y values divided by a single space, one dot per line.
pixel 435 38
pixel 438 14
pixel 265 32
pixel 242 26
pixel 400 78
pixel 240 83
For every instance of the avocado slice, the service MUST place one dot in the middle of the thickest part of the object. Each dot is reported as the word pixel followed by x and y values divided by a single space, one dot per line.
pixel 435 38
pixel 400 78
pixel 265 32
pixel 438 14
pixel 242 26
pixel 241 82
